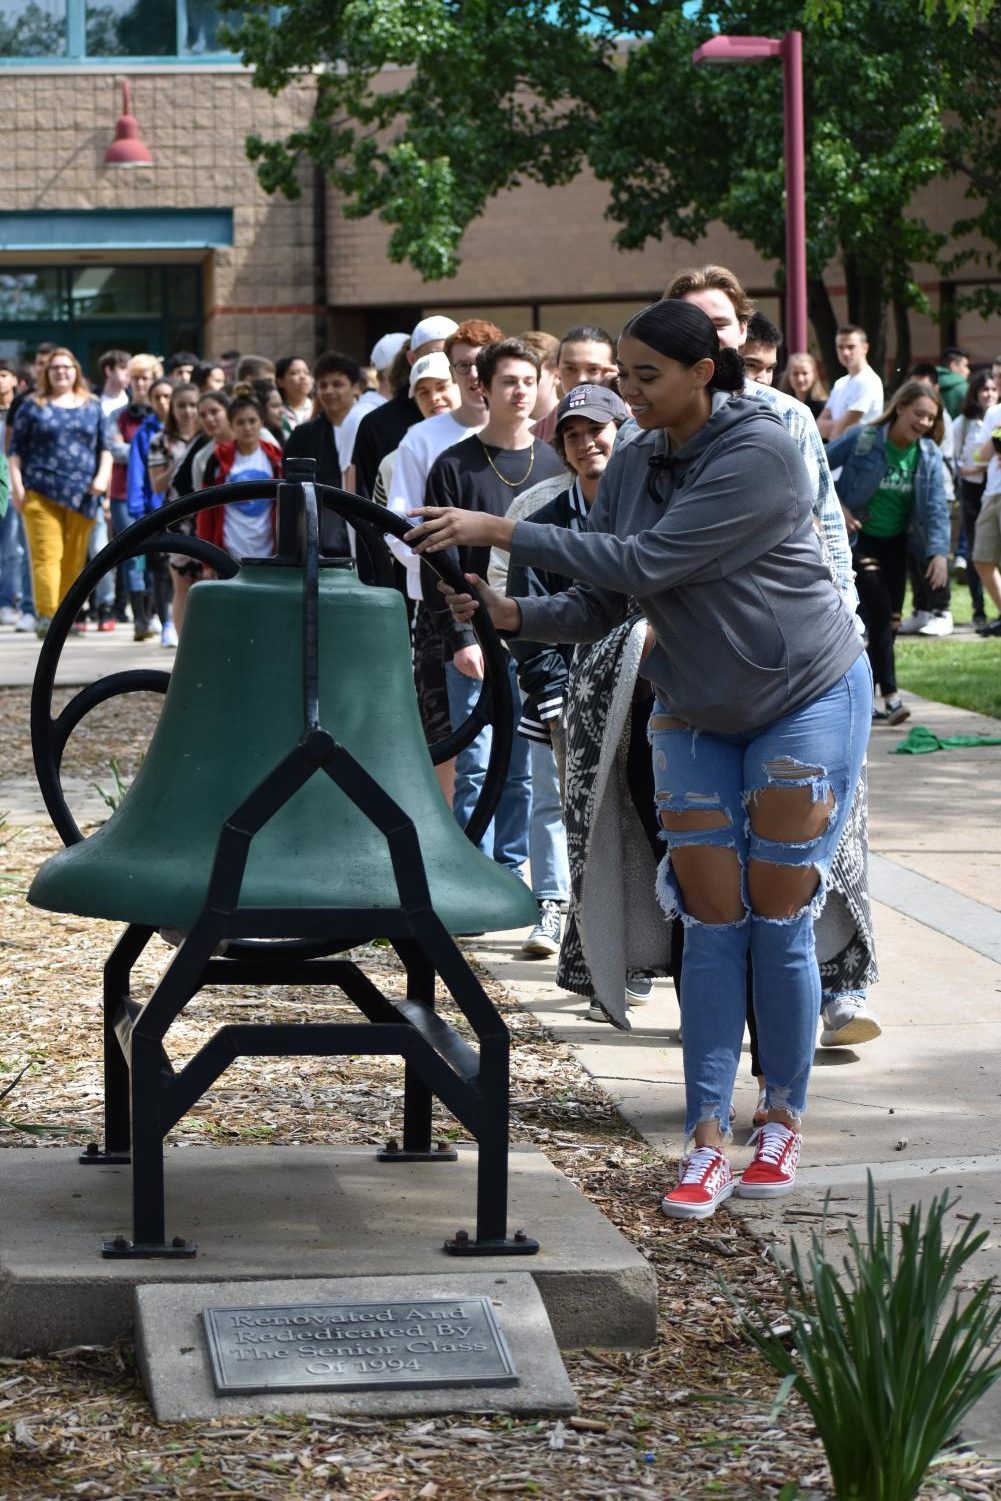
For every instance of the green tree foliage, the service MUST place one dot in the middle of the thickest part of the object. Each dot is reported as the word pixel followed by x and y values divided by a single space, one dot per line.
pixel 426 109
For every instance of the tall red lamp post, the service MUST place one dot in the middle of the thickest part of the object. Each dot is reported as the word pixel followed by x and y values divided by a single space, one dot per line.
pixel 752 49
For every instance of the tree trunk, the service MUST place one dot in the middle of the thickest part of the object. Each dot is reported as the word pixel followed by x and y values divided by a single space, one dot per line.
pixel 902 328
pixel 825 326
pixel 867 308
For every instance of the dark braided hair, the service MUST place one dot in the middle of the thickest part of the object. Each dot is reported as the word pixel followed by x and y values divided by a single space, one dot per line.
pixel 681 331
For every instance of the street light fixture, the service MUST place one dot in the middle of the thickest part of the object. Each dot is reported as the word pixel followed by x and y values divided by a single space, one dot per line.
pixel 753 49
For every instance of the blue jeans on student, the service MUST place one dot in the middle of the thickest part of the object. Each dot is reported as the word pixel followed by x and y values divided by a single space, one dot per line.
pixel 821 746
pixel 506 838
pixel 547 839
pixel 104 592
pixel 130 575
pixel 15 564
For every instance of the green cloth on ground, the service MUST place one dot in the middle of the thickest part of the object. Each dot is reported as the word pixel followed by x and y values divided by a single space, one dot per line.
pixel 921 742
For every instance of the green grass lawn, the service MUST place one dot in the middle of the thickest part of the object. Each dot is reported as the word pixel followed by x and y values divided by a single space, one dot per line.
pixel 964 671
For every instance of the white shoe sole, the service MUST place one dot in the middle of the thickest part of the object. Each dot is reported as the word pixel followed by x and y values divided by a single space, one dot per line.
pixel 540 948
pixel 676 1211
pixel 763 1190
pixel 859 1029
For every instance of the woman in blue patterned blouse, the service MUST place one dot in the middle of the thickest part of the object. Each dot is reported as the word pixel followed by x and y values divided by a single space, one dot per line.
pixel 60 462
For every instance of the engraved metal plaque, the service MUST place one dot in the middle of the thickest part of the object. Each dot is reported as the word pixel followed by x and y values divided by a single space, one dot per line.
pixel 437 1342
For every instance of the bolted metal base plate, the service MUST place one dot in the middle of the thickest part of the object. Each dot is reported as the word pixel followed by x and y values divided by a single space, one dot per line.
pixel 464 1245
pixel 92 1155
pixel 123 1249
pixel 393 1152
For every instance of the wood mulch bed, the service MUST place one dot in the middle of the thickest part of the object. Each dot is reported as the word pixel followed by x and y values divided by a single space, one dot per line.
pixel 688 1418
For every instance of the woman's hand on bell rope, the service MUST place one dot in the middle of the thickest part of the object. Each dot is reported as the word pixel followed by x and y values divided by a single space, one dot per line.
pixel 448 526
pixel 505 613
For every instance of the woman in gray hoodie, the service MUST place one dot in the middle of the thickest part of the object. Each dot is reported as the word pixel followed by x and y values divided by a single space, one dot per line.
pixel 762 712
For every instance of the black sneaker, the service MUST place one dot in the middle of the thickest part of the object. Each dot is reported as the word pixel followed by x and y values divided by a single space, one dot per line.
pixel 993 628
pixel 895 711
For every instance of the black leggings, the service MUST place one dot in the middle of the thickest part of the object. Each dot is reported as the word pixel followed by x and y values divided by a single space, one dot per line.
pixel 642 794
pixel 970 498
pixel 881 578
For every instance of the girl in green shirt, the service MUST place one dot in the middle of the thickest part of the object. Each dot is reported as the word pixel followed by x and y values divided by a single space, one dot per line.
pixel 892 490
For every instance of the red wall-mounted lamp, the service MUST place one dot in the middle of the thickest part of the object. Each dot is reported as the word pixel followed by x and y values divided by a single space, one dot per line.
pixel 128 149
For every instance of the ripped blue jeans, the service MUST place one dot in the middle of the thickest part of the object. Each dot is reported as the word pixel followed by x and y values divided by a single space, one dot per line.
pixel 821 746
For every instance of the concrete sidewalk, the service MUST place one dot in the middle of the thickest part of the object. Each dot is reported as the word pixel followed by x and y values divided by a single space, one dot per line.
pixel 84 660
pixel 919 1106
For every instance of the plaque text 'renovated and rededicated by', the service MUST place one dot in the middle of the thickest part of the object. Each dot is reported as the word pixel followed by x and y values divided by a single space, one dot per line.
pixel 353 1346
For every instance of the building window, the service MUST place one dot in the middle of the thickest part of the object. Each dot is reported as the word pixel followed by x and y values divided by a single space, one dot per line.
pixel 29 295
pixel 130 28
pixel 37 29
pixel 78 30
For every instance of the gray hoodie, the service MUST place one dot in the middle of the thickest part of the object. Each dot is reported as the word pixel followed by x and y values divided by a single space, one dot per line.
pixel 724 563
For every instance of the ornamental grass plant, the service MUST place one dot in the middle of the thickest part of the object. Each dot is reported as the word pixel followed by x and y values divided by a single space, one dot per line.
pixel 888 1349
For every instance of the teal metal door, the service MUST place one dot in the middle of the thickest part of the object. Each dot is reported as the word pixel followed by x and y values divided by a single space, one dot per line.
pixel 131 334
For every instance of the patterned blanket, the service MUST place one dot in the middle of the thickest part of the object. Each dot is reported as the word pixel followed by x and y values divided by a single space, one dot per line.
pixel 615 924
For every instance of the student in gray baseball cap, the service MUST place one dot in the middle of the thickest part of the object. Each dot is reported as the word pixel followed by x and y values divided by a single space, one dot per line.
pixel 595 403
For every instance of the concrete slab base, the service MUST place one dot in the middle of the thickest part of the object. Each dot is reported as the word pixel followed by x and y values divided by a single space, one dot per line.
pixel 173 1352
pixel 261 1213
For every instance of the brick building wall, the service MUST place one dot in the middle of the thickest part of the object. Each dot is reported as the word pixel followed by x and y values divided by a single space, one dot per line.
pixel 261 293
pixel 300 275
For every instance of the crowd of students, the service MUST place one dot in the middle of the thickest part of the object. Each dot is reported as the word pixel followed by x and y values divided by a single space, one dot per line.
pixel 607 470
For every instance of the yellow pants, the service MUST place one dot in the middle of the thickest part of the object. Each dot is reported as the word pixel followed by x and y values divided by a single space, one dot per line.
pixel 57 539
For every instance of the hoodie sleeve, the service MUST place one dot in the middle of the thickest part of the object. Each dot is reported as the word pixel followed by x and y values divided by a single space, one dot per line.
pixel 742 503
pixel 118 444
pixel 137 480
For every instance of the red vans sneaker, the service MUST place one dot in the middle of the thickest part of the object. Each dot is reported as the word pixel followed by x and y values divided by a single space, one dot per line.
pixel 772 1170
pixel 706 1180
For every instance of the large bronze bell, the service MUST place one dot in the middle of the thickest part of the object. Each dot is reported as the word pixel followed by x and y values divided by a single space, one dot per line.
pixel 287 795
pixel 233 710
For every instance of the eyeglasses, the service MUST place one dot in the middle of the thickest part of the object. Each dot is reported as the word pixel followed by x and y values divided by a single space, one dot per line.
pixel 464 367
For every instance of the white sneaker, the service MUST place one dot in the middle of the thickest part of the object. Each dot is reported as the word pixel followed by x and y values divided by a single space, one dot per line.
pixel 27 623
pixel 168 636
pixel 639 989
pixel 940 624
pixel 914 623
pixel 847 1022
pixel 8 615
pixel 544 939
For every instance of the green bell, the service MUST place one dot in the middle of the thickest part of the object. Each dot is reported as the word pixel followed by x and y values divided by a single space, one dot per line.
pixel 232 711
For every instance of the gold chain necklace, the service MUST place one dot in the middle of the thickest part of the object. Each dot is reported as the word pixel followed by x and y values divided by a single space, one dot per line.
pixel 512 484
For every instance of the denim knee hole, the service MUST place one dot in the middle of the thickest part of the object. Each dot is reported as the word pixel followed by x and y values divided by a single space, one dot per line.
pixel 812 909
pixel 669 893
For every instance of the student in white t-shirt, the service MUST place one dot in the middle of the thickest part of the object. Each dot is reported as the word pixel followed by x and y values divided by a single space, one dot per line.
pixel 418 450
pixel 244 528
pixel 985 550
pixel 857 396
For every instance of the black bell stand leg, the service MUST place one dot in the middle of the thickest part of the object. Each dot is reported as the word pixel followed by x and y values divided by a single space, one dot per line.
pixel 417 1098
pixel 149 1090
pixel 117 995
pixel 492 1238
